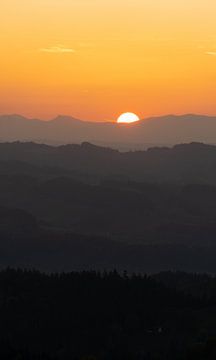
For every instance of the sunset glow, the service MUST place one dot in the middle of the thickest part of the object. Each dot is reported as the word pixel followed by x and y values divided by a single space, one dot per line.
pixel 90 58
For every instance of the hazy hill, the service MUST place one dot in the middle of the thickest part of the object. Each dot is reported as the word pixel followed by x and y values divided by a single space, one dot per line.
pixel 157 131
pixel 187 163
pixel 84 206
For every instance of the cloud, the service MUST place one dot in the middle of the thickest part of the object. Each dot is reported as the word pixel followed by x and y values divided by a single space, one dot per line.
pixel 59 49
pixel 212 53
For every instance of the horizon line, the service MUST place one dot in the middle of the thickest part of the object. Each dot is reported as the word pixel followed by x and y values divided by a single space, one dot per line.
pixel 105 121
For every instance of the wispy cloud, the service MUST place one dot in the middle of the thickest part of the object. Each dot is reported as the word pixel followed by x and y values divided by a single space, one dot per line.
pixel 59 49
pixel 211 53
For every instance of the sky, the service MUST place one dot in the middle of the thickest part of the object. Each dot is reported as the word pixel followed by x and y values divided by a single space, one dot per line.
pixel 95 59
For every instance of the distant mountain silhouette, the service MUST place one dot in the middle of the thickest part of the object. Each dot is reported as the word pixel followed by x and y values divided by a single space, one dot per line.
pixel 168 130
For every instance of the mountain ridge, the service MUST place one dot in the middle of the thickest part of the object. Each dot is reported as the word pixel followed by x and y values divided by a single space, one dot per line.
pixel 183 163
pixel 164 130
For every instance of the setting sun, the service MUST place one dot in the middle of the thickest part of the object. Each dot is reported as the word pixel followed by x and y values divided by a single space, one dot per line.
pixel 128 118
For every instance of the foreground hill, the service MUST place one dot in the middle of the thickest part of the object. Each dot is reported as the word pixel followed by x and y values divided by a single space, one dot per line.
pixel 91 315
pixel 167 130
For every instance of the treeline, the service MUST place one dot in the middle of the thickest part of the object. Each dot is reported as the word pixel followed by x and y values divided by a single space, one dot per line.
pixel 94 315
pixel 202 286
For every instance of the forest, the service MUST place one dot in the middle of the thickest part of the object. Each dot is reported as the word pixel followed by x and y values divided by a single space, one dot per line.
pixel 106 315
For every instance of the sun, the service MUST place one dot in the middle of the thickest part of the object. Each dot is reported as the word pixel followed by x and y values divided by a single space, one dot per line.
pixel 128 118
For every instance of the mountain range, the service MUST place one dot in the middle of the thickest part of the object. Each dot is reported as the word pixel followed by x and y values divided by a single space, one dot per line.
pixel 83 206
pixel 166 130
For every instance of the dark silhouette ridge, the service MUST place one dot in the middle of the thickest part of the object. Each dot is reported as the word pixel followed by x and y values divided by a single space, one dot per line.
pixel 93 315
pixel 186 163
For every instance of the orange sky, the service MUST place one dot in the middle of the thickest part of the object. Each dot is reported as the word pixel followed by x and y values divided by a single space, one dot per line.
pixel 94 59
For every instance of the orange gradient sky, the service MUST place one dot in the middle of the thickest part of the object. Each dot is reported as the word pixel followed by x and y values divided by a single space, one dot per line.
pixel 94 59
